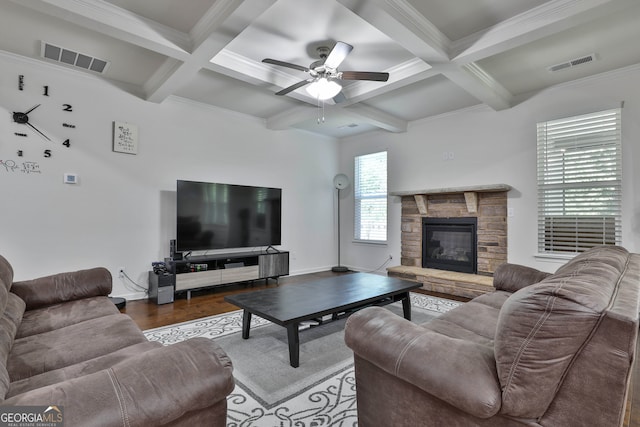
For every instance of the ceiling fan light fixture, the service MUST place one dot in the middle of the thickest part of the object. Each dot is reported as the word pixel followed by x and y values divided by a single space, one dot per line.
pixel 323 88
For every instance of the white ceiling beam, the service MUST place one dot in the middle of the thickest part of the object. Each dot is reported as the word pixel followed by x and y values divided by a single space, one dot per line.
pixel 224 21
pixel 547 19
pixel 403 23
pixel 377 118
pixel 118 23
pixel 479 84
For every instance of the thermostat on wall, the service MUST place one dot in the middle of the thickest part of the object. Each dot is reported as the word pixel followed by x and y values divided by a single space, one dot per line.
pixel 70 178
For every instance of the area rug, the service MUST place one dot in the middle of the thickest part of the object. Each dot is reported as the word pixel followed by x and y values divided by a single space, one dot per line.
pixel 269 392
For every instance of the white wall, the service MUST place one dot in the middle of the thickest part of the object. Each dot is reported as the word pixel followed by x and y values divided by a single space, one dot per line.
pixel 122 212
pixel 492 147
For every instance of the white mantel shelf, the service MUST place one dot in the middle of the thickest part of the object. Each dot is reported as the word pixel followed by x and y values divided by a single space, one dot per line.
pixel 470 195
pixel 453 190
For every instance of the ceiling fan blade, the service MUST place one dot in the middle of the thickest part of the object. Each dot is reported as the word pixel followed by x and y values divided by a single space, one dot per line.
pixel 364 75
pixel 285 64
pixel 337 55
pixel 293 87
pixel 339 98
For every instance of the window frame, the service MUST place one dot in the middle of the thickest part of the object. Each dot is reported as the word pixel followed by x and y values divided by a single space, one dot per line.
pixel 381 195
pixel 579 181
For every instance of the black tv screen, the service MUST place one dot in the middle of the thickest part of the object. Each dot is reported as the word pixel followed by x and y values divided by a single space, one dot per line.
pixel 224 216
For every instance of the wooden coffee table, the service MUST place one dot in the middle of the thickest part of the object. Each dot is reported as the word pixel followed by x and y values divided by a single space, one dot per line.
pixel 289 305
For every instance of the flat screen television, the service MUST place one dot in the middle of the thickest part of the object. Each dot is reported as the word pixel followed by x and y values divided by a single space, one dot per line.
pixel 225 216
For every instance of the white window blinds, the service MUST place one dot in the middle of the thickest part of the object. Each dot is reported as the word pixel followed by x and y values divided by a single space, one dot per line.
pixel 579 182
pixel 370 189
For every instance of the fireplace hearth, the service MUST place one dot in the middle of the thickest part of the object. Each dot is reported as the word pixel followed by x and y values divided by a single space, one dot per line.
pixel 450 244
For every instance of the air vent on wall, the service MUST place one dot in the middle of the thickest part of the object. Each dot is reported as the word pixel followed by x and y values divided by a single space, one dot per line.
pixel 69 57
pixel 573 63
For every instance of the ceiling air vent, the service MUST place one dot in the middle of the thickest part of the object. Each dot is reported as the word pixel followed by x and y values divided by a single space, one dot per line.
pixel 350 125
pixel 573 63
pixel 75 59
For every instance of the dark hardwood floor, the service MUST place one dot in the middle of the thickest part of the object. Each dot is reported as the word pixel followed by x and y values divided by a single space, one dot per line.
pixel 209 302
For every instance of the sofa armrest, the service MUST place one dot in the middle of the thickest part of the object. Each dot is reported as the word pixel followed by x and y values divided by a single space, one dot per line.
pixel 459 372
pixel 153 389
pixel 513 277
pixel 64 287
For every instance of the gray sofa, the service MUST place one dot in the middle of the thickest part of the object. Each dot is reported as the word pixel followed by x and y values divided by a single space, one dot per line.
pixel 541 350
pixel 64 343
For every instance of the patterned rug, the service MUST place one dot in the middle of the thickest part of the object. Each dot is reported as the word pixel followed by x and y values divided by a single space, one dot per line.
pixel 328 401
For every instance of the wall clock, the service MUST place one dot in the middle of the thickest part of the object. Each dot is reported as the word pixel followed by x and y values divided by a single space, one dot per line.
pixel 31 116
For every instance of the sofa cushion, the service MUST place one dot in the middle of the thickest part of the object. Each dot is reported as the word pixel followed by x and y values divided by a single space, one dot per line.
pixel 542 328
pixel 474 321
pixel 73 344
pixel 9 322
pixel 513 277
pixel 65 314
pixel 64 287
pixel 6 273
pixel 79 369
pixel 4 292
pixel 156 388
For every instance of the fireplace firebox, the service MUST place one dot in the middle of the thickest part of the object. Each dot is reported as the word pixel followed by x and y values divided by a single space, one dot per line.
pixel 450 244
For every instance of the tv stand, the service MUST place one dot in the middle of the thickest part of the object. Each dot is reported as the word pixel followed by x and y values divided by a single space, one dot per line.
pixel 204 271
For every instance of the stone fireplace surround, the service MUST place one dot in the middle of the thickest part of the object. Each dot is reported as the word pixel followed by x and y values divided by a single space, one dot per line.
pixel 488 203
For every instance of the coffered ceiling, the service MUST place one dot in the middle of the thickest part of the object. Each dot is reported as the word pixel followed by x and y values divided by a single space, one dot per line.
pixel 441 55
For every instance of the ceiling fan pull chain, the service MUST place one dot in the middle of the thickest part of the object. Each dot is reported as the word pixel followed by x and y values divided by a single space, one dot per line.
pixel 320 117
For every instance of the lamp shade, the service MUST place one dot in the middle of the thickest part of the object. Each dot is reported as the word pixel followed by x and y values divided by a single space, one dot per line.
pixel 340 181
pixel 323 88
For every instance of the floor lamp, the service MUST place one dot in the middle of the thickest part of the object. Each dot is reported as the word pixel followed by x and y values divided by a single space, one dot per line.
pixel 340 182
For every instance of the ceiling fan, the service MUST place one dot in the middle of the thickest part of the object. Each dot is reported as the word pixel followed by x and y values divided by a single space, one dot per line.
pixel 324 73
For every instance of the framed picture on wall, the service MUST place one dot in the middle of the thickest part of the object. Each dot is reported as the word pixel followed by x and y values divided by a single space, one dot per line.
pixel 125 138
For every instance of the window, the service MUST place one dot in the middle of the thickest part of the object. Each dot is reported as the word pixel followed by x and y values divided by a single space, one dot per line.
pixel 579 182
pixel 370 189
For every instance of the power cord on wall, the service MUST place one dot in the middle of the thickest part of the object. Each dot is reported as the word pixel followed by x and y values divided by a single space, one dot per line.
pixel 137 288
pixel 384 264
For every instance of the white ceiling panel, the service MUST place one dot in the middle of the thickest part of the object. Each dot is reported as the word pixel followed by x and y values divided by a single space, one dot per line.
pixel 423 99
pixel 180 15
pixel 461 18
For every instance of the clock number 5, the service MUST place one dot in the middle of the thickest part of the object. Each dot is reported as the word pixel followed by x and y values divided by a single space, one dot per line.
pixel 67 107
